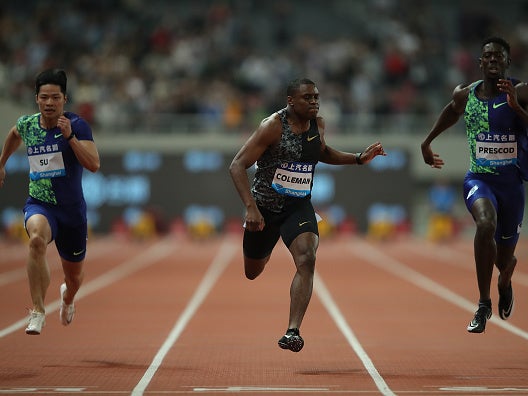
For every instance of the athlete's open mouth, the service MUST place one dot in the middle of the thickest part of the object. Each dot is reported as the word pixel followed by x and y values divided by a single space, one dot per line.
pixel 493 68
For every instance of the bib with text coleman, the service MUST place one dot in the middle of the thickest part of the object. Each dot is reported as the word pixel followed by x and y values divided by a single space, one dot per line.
pixel 45 162
pixel 294 179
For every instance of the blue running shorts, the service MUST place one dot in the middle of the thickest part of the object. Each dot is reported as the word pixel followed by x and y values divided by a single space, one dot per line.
pixel 69 228
pixel 507 196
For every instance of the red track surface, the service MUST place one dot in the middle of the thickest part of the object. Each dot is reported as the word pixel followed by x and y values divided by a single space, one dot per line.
pixel 176 316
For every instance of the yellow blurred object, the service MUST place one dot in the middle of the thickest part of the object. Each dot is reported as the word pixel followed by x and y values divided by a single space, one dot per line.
pixel 381 230
pixel 233 114
pixel 16 231
pixel 325 228
pixel 201 229
pixel 441 227
pixel 145 227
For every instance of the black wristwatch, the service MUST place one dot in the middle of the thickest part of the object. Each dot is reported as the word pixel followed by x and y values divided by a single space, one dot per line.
pixel 72 135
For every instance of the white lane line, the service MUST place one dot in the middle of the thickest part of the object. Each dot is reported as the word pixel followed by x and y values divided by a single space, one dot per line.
pixel 150 256
pixel 257 389
pixel 460 259
pixel 12 276
pixel 375 257
pixel 220 262
pixel 472 390
pixel 327 300
pixel 17 274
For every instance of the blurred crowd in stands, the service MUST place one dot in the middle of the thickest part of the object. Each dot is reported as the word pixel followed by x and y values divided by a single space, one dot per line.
pixel 198 65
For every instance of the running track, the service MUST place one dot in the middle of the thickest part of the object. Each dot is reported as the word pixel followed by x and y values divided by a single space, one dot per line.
pixel 177 317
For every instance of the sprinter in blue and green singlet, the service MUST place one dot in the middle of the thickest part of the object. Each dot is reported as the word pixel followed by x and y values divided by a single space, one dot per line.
pixel 59 145
pixel 496 117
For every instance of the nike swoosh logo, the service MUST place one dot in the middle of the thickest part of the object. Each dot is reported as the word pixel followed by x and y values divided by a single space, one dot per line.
pixel 497 105
pixel 310 138
pixel 508 311
pixel 472 191
pixel 506 237
pixel 58 135
pixel 78 253
pixel 303 223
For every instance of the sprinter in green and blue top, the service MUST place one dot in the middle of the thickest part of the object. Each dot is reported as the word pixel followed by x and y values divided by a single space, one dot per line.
pixel 55 174
pixel 59 145
pixel 493 129
pixel 494 110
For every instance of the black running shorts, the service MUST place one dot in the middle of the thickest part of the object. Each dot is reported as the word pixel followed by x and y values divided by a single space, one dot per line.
pixel 297 218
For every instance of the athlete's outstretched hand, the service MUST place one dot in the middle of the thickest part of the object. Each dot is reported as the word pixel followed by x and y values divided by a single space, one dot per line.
pixel 372 151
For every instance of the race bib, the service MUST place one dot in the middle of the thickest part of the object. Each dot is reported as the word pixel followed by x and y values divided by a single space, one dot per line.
pixel 293 179
pixel 45 165
pixel 495 149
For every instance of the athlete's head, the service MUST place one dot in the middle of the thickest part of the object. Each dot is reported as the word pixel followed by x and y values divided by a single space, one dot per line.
pixel 497 40
pixel 50 87
pixel 51 76
pixel 303 98
pixel 295 85
pixel 495 57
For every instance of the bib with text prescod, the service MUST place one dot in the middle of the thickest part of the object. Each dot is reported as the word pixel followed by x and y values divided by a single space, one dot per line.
pixel 45 162
pixel 496 149
pixel 294 179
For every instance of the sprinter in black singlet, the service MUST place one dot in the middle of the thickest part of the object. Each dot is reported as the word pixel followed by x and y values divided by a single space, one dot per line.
pixel 286 148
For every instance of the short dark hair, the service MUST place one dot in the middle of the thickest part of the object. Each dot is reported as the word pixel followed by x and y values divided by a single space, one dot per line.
pixel 497 40
pixel 294 85
pixel 51 76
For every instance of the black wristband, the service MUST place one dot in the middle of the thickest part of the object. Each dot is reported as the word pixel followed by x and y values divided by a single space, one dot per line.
pixel 358 159
pixel 72 135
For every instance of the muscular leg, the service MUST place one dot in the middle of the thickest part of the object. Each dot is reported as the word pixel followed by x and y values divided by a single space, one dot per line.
pixel 254 267
pixel 73 276
pixel 259 244
pixel 506 262
pixel 38 271
pixel 303 250
pixel 485 249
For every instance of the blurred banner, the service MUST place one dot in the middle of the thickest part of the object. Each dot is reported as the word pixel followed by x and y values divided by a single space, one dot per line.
pixel 194 187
